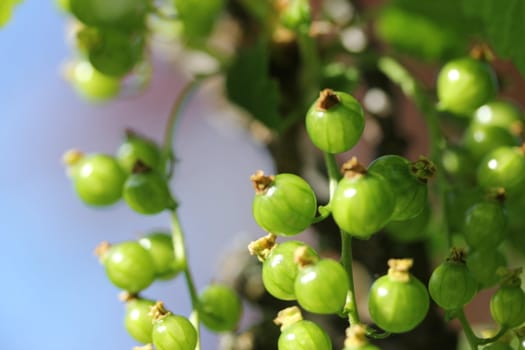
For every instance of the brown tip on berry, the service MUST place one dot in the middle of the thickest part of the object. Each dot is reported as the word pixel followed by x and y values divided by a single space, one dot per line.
pixel 127 296
pixel 356 336
pixel 102 248
pixel 399 269
pixel 423 169
pixel 304 257
pixel 158 311
pixel 261 182
pixel 353 168
pixel 457 255
pixel 497 194
pixel 263 246
pixel 72 156
pixel 288 316
pixel 482 52
pixel 140 167
pixel 509 277
pixel 327 99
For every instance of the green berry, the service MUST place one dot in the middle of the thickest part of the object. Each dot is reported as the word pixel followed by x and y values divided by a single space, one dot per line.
pixel 335 122
pixel 304 335
pixel 147 192
pixel 363 203
pixel 464 84
pixel 97 178
pixel 174 332
pixel 321 287
pixel 129 266
pixel 220 308
pixel 279 270
pixel 160 247
pixel 138 321
pixel 284 204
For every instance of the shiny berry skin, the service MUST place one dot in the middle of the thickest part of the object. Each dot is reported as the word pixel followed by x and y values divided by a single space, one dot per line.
pixel 220 308
pixel 485 224
pixel 458 163
pixel 129 266
pixel 464 84
pixel 452 285
pixel 138 321
pixel 160 247
pixel 398 305
pixel 304 335
pixel 507 306
pixel 97 179
pixel 500 113
pixel 410 192
pixel 136 148
pixel 502 167
pixel 279 270
pixel 91 84
pixel 285 205
pixel 481 139
pixel 174 332
pixel 147 193
pixel 335 122
pixel 363 204
pixel 411 230
pixel 484 264
pixel 322 287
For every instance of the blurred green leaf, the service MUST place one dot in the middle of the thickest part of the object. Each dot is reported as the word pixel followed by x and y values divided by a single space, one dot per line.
pixel 428 30
pixel 6 10
pixel 248 84
pixel 503 26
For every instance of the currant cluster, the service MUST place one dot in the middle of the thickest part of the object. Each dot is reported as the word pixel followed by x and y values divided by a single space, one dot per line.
pixel 136 175
pixel 392 194
pixel 110 42
pixel 484 204
pixel 362 202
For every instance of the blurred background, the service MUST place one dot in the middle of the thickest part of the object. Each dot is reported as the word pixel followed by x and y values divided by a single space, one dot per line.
pixel 54 293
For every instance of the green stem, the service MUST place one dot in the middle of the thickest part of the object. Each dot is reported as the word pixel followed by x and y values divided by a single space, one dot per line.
pixel 346 261
pixel 469 333
pixel 333 172
pixel 498 335
pixel 180 252
pixel 346 241
pixel 176 111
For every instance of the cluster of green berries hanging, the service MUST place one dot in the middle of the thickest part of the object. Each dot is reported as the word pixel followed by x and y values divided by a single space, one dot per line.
pixel 110 40
pixel 135 174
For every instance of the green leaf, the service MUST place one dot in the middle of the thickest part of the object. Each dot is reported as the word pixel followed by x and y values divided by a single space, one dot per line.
pixel 248 84
pixel 504 26
pixel 6 10
pixel 428 30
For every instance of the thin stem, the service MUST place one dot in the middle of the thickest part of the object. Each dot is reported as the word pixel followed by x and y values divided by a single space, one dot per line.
pixel 333 172
pixel 176 111
pixel 180 252
pixel 469 333
pixel 346 241
pixel 498 335
pixel 346 261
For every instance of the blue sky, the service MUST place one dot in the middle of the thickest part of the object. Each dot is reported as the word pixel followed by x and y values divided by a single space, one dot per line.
pixel 54 295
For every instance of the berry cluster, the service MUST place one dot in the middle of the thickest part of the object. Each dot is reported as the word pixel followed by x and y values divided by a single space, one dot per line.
pixel 392 194
pixel 136 175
